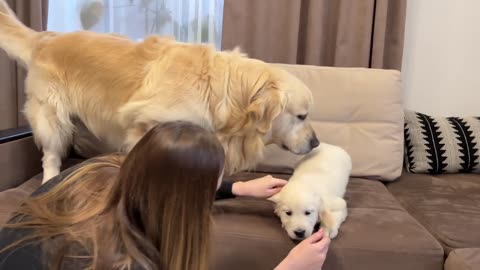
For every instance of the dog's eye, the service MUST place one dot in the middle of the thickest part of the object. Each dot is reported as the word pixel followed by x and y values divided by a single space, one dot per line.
pixel 289 213
pixel 307 213
pixel 302 117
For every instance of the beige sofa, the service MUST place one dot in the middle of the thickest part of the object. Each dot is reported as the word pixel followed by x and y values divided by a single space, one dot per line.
pixel 396 220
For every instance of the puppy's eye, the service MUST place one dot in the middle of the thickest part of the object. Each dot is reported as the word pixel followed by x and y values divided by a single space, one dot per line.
pixel 302 117
pixel 289 213
pixel 307 213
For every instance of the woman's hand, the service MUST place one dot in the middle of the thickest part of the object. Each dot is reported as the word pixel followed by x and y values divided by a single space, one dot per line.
pixel 310 254
pixel 264 187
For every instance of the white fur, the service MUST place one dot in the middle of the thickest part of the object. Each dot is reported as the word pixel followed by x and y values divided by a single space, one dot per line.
pixel 316 187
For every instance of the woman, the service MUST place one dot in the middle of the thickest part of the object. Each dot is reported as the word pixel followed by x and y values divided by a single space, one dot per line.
pixel 148 210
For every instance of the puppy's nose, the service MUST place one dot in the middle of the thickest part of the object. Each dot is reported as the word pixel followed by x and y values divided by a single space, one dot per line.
pixel 300 233
pixel 314 142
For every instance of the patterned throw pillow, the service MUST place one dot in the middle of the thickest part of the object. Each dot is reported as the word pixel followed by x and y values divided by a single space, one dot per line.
pixel 441 144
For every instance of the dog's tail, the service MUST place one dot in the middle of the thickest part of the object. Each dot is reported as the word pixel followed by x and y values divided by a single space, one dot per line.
pixel 15 38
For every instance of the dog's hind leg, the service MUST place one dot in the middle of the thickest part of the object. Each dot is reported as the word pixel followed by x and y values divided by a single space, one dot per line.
pixel 52 130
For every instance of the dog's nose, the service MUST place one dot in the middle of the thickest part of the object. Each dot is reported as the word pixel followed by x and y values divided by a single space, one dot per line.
pixel 314 142
pixel 300 233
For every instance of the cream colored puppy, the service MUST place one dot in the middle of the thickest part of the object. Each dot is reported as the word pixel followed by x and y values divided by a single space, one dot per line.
pixel 314 194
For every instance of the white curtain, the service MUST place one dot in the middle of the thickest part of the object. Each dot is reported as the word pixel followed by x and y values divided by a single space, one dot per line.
pixel 198 21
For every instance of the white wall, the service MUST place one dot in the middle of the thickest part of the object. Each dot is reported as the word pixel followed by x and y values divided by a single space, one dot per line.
pixel 441 61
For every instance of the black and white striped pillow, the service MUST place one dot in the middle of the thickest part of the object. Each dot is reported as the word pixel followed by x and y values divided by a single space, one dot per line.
pixel 441 144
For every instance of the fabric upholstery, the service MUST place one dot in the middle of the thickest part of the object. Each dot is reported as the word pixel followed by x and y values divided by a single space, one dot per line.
pixel 12 96
pixel 19 160
pixel 447 205
pixel 357 109
pixel 463 259
pixel 378 234
pixel 441 144
pixel 365 33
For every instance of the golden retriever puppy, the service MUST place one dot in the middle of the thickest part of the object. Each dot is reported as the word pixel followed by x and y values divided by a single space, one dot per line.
pixel 314 194
pixel 120 89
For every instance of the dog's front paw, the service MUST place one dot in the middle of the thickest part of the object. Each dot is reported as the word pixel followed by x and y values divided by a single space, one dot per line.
pixel 330 232
pixel 333 233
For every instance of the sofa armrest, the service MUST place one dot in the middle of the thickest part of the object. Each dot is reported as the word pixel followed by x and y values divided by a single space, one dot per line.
pixel 14 134
pixel 20 159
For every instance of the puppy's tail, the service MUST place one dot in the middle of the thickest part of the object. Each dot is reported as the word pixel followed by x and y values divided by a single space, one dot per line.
pixel 15 38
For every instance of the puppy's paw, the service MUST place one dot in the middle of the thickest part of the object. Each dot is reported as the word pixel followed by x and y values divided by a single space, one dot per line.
pixel 331 232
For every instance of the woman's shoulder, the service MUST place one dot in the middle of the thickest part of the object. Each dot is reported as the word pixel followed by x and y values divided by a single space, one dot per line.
pixel 27 255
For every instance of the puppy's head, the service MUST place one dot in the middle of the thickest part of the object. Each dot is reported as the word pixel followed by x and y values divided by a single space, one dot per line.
pixel 291 129
pixel 298 210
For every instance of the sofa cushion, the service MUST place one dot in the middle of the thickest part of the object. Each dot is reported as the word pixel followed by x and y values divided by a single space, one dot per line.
pixel 12 198
pixel 463 259
pixel 447 205
pixel 19 161
pixel 441 144
pixel 358 109
pixel 378 234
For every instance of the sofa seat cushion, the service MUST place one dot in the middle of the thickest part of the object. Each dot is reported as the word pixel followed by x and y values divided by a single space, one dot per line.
pixel 378 233
pixel 463 259
pixel 447 205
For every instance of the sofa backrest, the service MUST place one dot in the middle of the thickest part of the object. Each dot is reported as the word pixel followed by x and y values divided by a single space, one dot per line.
pixel 358 109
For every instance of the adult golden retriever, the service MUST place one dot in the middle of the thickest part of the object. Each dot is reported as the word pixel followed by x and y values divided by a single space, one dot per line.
pixel 120 88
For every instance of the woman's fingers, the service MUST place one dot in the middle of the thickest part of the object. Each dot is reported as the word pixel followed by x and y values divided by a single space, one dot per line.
pixel 323 244
pixel 276 182
pixel 316 237
pixel 273 191
pixel 325 241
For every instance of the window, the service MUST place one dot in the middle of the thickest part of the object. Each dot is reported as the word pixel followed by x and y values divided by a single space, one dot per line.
pixel 198 21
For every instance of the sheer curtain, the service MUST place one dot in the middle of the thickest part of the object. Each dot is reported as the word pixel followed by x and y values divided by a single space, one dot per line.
pixel 198 21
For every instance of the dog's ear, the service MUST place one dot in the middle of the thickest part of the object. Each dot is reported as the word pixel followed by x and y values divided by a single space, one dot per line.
pixel 275 198
pixel 266 104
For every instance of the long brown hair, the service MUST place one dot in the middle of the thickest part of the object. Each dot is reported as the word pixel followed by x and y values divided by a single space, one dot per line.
pixel 152 208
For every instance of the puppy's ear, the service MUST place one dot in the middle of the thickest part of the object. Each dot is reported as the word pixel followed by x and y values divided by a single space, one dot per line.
pixel 275 198
pixel 266 104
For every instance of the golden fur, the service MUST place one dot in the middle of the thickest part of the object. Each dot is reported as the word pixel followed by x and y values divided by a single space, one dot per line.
pixel 120 89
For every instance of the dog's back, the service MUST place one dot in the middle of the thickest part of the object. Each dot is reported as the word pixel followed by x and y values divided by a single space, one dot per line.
pixel 326 169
